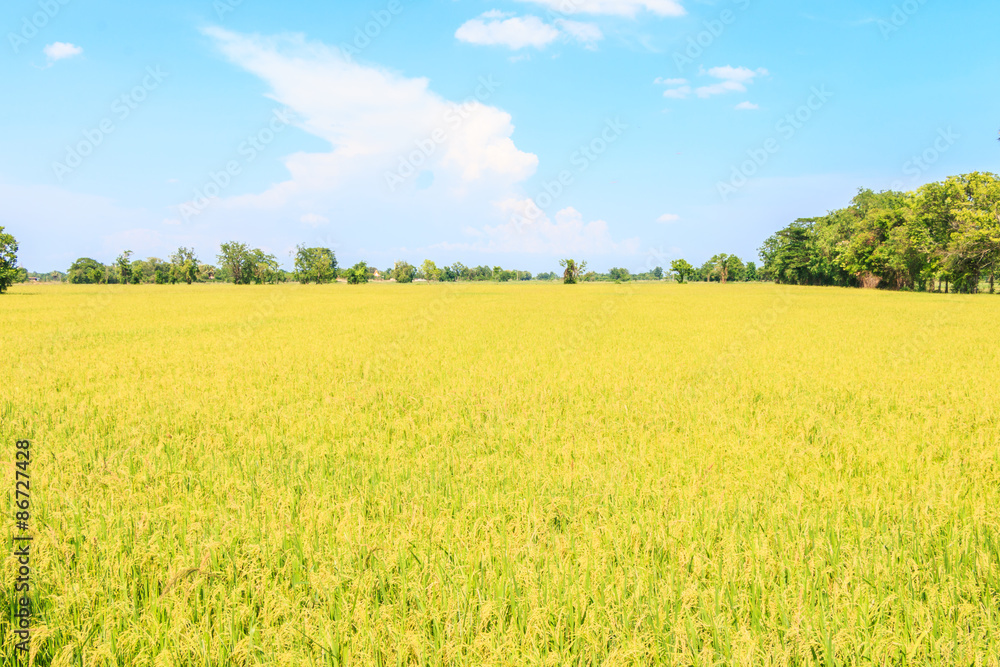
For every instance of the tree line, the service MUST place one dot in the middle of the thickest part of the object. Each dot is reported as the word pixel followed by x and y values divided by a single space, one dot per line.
pixel 240 264
pixel 945 236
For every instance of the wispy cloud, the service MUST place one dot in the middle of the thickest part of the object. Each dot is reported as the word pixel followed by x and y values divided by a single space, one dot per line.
pixel 627 8
pixel 729 80
pixel 677 93
pixel 531 231
pixel 496 28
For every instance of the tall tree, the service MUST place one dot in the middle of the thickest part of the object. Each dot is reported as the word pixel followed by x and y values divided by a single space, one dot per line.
pixel 682 269
pixel 619 275
pixel 124 265
pixel 315 265
pixel 184 266
pixel 974 250
pixel 264 267
pixel 237 259
pixel 404 272
pixel 736 269
pixel 87 271
pixel 573 270
pixel 357 274
pixel 429 270
pixel 719 267
pixel 8 260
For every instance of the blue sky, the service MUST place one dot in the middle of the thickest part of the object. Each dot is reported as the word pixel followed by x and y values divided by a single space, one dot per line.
pixel 621 132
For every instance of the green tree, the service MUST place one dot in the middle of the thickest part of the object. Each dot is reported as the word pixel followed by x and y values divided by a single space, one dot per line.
pixel 357 274
pixel 141 271
pixel 404 272
pixel 8 260
pixel 974 250
pixel 658 273
pixel 237 260
pixel 720 267
pixel 264 268
pixel 184 266
pixel 86 271
pixel 162 272
pixel 736 269
pixel 789 255
pixel 315 265
pixel 572 270
pixel 124 266
pixel 682 269
pixel 619 275
pixel 480 273
pixel 429 270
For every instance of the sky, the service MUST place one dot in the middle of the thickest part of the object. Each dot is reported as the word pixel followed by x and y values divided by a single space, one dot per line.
pixel 501 132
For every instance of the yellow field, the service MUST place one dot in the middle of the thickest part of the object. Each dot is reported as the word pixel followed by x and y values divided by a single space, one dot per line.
pixel 518 474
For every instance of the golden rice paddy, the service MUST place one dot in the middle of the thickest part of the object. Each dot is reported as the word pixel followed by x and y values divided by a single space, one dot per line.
pixel 522 474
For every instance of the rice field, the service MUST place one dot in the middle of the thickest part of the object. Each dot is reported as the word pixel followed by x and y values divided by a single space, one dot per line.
pixel 520 474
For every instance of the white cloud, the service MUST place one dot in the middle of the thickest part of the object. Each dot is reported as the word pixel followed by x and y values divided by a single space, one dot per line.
pixel 530 230
pixel 614 7
pixel 375 120
pixel 677 93
pixel 667 218
pixel 496 28
pixel 746 106
pixel 314 220
pixel 514 33
pixel 61 50
pixel 732 79
pixel 742 74
pixel 721 89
